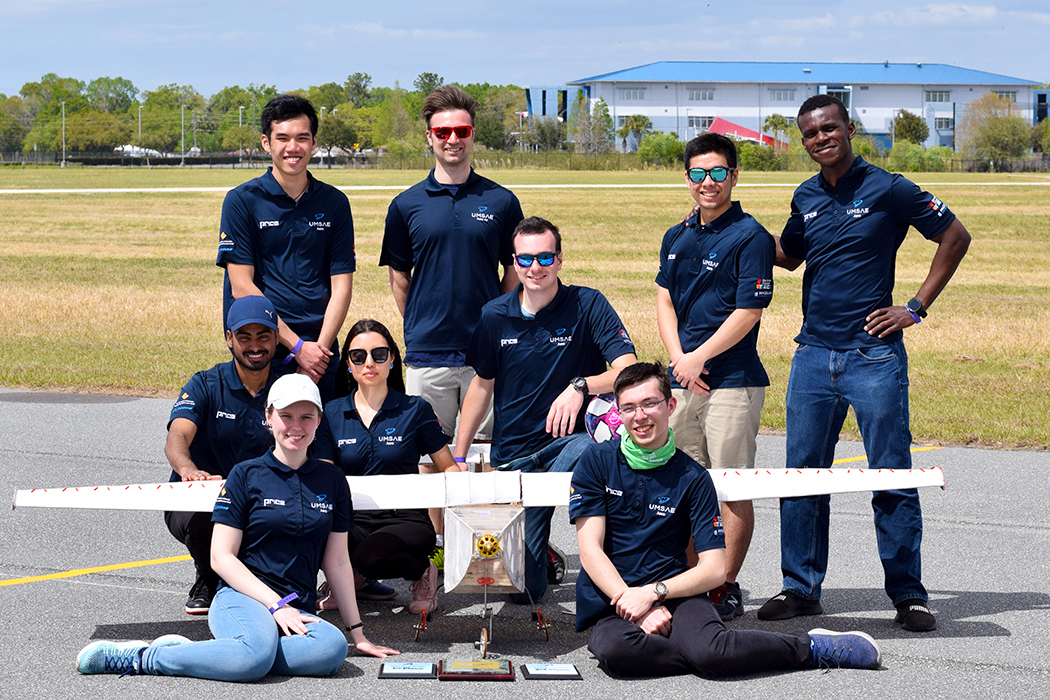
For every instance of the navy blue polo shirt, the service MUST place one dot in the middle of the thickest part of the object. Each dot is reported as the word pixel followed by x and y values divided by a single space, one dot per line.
pixel 285 516
pixel 404 429
pixel 295 247
pixel 849 235
pixel 533 360
pixel 709 272
pixel 231 423
pixel 649 516
pixel 453 244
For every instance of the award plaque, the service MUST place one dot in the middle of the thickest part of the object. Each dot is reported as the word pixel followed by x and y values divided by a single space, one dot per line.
pixel 551 672
pixel 401 669
pixel 477 670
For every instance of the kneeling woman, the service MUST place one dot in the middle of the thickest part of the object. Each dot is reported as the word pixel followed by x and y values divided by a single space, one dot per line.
pixel 278 518
pixel 374 428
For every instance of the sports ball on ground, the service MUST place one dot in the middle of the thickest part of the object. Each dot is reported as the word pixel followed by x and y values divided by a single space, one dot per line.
pixel 602 418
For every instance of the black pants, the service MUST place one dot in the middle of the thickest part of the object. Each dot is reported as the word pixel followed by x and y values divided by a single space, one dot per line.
pixel 194 531
pixel 391 544
pixel 699 643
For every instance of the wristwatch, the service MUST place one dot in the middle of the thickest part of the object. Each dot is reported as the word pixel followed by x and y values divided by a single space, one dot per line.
pixel 580 385
pixel 915 306
pixel 661 591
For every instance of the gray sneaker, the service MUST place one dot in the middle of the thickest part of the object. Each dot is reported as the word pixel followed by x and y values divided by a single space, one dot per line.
pixel 111 657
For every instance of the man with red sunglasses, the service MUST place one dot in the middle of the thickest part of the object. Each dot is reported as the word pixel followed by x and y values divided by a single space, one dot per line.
pixel 444 243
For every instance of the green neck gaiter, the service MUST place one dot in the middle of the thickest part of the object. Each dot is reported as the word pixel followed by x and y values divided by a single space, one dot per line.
pixel 639 458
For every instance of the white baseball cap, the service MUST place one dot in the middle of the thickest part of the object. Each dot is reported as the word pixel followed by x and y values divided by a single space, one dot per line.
pixel 292 388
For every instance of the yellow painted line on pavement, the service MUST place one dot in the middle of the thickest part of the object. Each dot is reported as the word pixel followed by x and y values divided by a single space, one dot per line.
pixel 863 458
pixel 94 570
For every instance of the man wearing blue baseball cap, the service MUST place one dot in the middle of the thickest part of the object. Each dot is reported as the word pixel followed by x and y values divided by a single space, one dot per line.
pixel 217 421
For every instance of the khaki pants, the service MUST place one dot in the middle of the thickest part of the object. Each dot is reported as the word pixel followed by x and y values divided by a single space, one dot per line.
pixel 719 430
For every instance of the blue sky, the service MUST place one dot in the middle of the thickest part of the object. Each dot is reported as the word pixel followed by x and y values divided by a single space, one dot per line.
pixel 290 44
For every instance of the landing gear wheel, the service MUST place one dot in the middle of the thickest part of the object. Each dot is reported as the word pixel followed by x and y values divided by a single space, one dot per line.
pixel 483 643
pixel 421 626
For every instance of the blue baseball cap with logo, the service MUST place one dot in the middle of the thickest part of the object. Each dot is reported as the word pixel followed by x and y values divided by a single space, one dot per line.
pixel 254 309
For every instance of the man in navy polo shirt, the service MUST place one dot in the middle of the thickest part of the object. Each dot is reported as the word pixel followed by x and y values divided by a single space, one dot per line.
pixel 291 238
pixel 636 501
pixel 538 351
pixel 847 223
pixel 444 242
pixel 716 277
pixel 217 421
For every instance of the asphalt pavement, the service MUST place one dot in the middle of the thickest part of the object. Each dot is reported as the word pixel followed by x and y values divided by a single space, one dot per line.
pixel 986 565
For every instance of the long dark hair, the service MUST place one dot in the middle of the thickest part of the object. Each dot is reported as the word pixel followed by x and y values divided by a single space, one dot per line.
pixel 345 384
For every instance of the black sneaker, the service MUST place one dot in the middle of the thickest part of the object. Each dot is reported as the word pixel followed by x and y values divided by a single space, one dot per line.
pixel 786 605
pixel 555 565
pixel 200 597
pixel 728 600
pixel 915 616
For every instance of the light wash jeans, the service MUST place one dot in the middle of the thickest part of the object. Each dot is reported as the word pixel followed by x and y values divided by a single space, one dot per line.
pixel 560 455
pixel 822 385
pixel 248 645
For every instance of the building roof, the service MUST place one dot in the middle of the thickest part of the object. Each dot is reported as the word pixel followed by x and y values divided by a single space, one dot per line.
pixel 820 73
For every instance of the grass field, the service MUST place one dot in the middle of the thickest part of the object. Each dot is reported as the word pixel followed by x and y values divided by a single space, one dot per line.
pixel 118 292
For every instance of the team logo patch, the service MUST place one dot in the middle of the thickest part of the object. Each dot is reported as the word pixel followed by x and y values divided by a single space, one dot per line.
pixel 716 523
pixel 481 215
pixel 937 205
pixel 763 288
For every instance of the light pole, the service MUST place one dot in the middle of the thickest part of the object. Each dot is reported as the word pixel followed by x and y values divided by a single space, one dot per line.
pixel 240 116
pixel 183 161
pixel 63 134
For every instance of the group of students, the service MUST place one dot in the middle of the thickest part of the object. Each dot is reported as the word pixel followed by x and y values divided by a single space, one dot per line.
pixel 515 358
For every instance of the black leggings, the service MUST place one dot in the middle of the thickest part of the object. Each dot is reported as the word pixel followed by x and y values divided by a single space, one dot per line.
pixel 391 544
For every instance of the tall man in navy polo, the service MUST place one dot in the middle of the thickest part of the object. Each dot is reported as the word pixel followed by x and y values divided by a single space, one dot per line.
pixel 716 277
pixel 847 223
pixel 539 351
pixel 636 502
pixel 291 238
pixel 217 421
pixel 444 243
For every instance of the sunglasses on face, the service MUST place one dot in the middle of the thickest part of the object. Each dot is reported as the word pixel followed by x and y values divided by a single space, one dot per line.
pixel 544 259
pixel 444 132
pixel 379 355
pixel 718 174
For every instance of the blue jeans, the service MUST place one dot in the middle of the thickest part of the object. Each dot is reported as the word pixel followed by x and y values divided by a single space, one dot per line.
pixel 248 645
pixel 822 385
pixel 560 455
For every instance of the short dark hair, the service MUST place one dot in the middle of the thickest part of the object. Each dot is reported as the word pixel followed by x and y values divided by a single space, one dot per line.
pixel 819 102
pixel 285 107
pixel 448 97
pixel 711 143
pixel 345 384
pixel 536 226
pixel 639 372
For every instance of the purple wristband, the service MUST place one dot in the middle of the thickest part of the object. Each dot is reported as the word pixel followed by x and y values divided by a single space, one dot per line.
pixel 459 460
pixel 915 317
pixel 283 601
pixel 294 352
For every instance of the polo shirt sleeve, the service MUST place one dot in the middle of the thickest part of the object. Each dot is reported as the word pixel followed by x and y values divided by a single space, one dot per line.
pixel 233 505
pixel 587 493
pixel 397 241
pixel 236 235
pixel 324 443
pixel 608 330
pixel 481 353
pixel 929 215
pixel 793 237
pixel 663 276
pixel 194 402
pixel 755 271
pixel 343 515
pixel 705 514
pixel 341 256
pixel 429 436
pixel 511 218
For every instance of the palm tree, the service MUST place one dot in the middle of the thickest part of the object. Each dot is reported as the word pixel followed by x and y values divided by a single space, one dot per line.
pixel 775 123
pixel 634 123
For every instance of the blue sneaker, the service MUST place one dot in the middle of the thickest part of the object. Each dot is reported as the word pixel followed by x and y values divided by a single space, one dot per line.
pixel 375 590
pixel 843 650
pixel 728 600
pixel 111 657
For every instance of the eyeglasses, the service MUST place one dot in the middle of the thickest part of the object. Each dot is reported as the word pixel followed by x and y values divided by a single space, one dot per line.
pixel 544 259
pixel 379 355
pixel 443 132
pixel 717 173
pixel 647 407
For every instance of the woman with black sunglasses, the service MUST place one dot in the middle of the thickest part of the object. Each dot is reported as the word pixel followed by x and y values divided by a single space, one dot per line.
pixel 374 428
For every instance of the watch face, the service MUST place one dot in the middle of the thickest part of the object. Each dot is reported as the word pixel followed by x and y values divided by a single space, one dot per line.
pixel 914 305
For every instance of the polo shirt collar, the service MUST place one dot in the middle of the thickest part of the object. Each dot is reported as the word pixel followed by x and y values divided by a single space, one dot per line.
pixel 855 172
pixel 228 371
pixel 548 310
pixel 270 460
pixel 274 189
pixel 432 185
pixel 730 216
